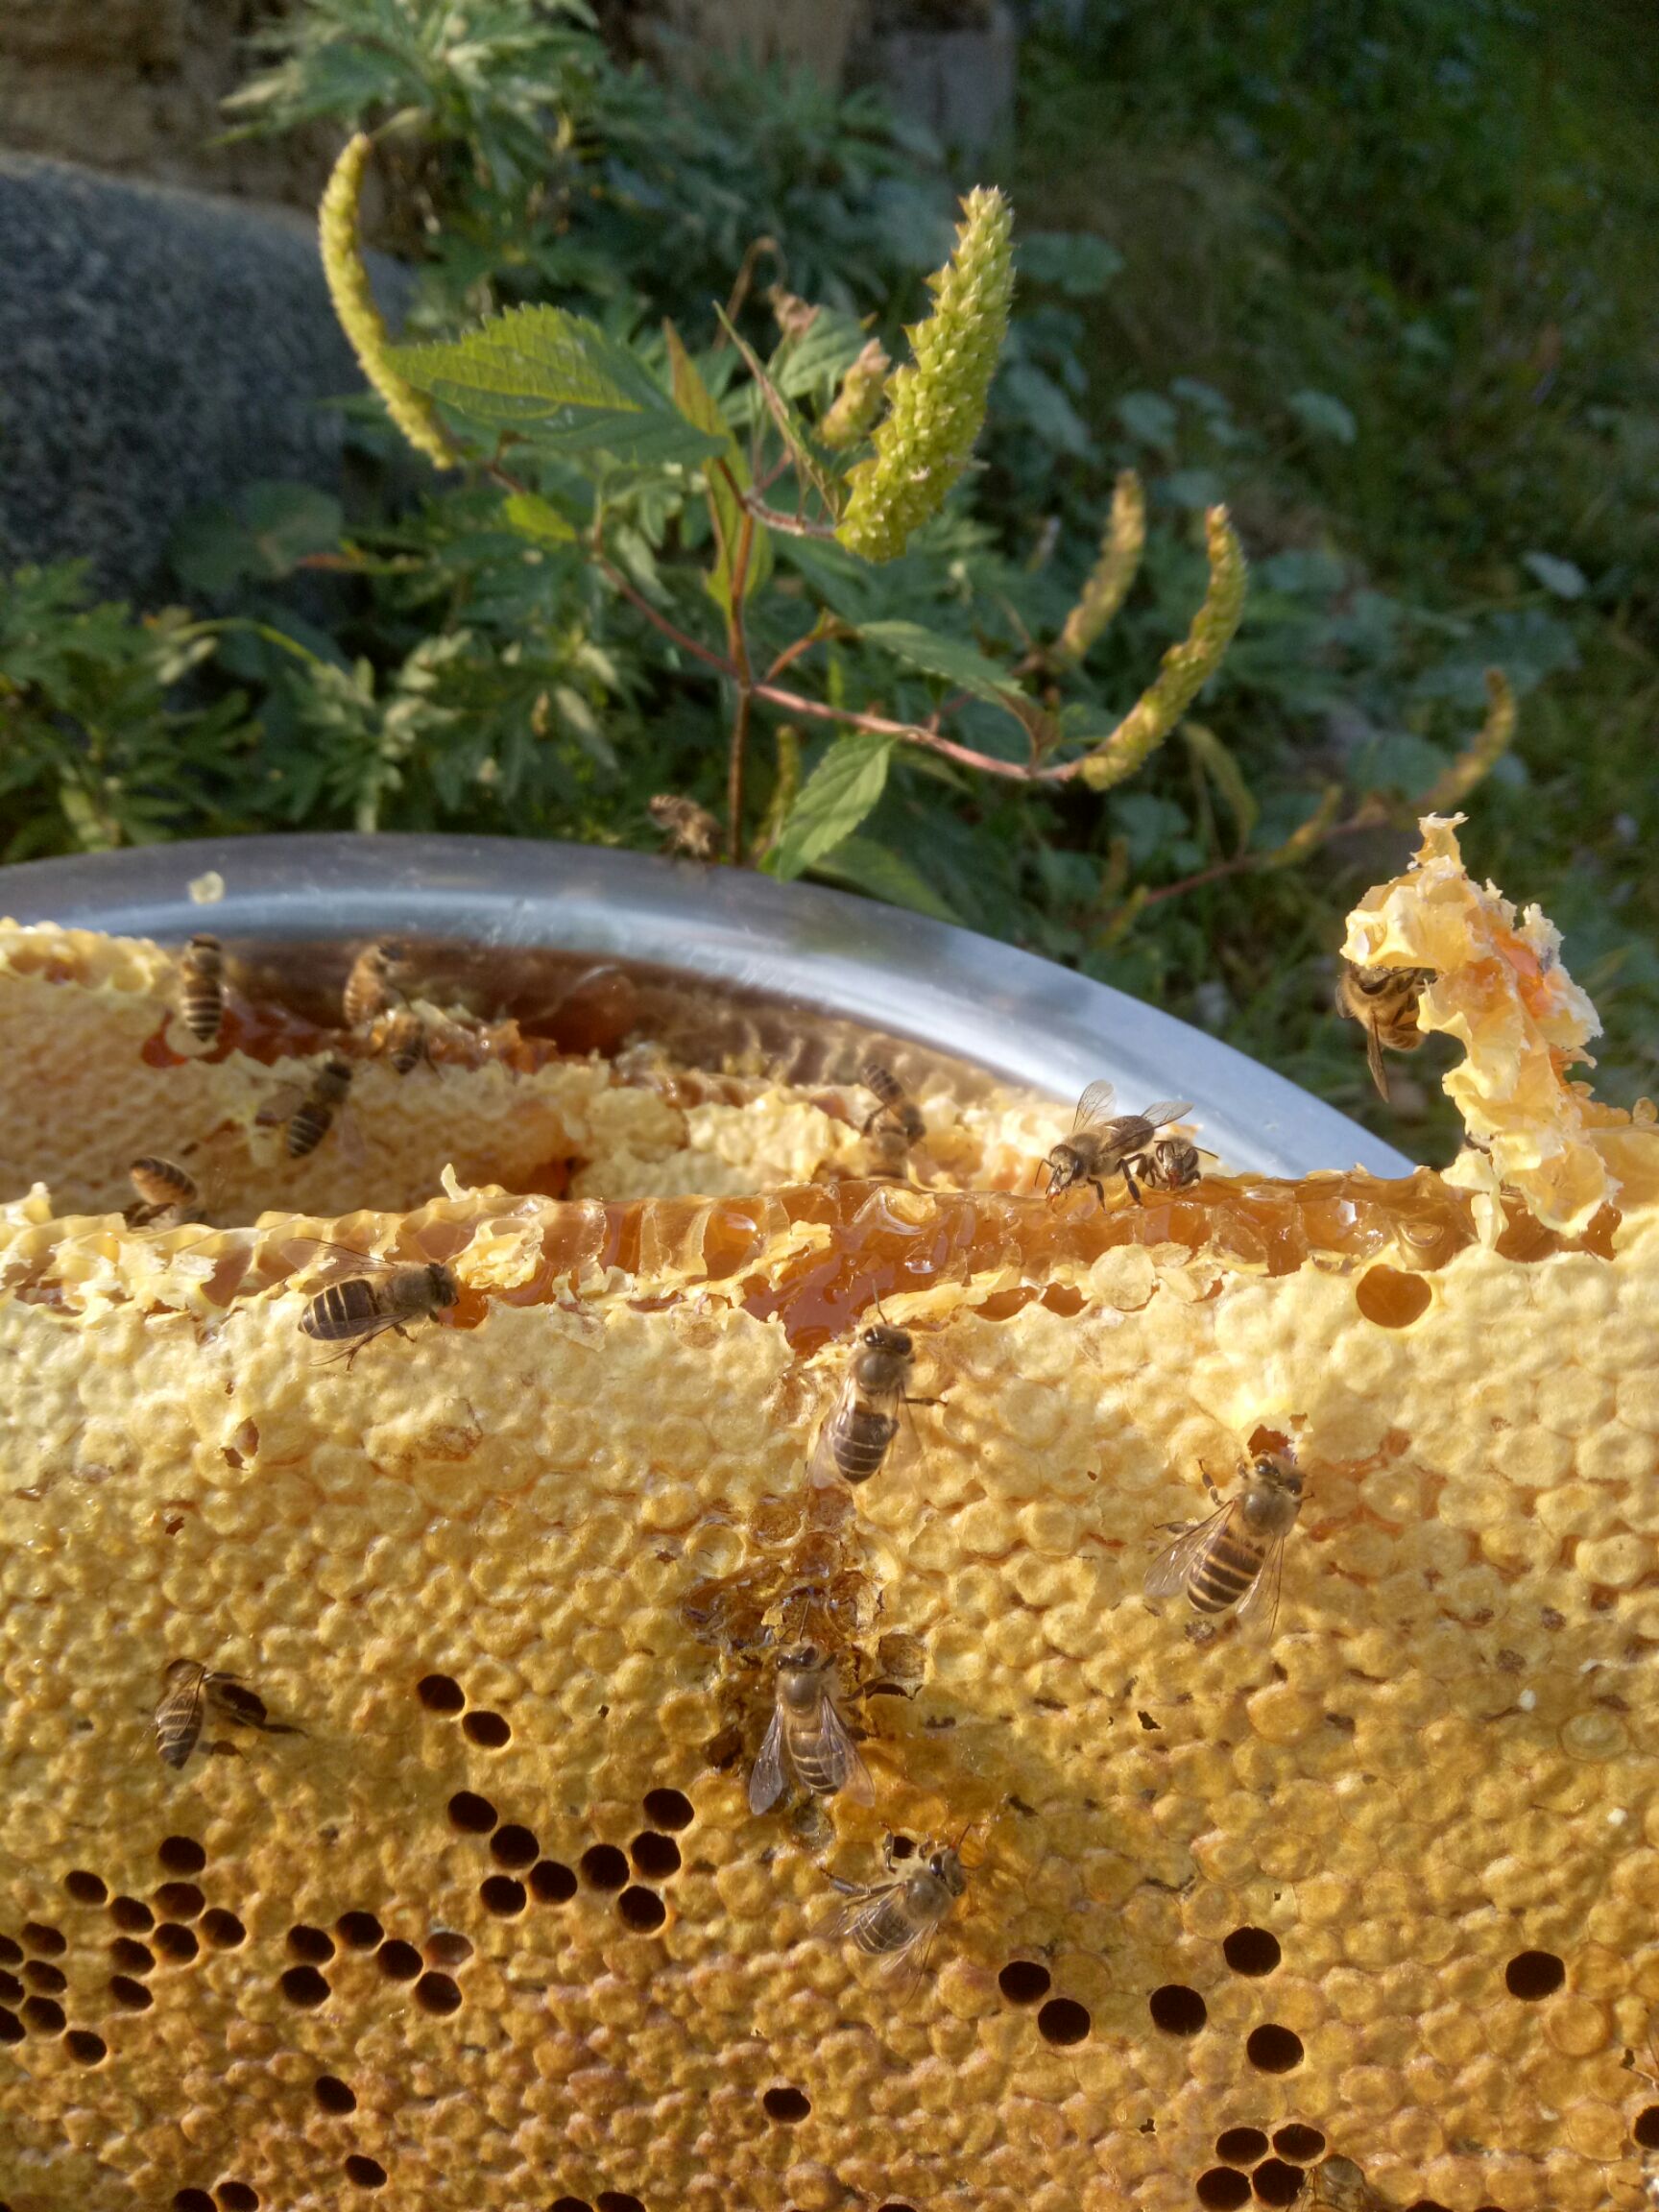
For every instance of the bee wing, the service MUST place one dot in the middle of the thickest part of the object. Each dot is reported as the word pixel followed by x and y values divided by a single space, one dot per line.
pixel 1166 1576
pixel 839 1756
pixel 908 1968
pixel 279 1106
pixel 1166 1110
pixel 1256 1597
pixel 306 1251
pixel 1374 1059
pixel 851 1915
pixel 766 1782
pixel 1094 1105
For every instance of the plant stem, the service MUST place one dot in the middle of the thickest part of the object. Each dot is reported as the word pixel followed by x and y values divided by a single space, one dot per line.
pixel 737 646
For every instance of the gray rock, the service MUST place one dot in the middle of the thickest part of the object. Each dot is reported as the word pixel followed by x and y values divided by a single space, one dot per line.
pixel 960 81
pixel 158 350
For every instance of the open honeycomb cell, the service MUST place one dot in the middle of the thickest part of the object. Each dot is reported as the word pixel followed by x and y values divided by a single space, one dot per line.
pixel 1354 1905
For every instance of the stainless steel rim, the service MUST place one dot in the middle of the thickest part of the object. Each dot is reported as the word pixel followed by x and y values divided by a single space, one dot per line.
pixel 814 952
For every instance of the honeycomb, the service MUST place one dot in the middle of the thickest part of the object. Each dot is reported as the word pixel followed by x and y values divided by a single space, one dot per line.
pixel 1354 1906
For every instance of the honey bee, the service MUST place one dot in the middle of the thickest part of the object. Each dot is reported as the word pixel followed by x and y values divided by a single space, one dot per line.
pixel 201 988
pixel 188 1689
pixel 400 1037
pixel 315 1113
pixel 387 1296
pixel 167 1194
pixel 686 827
pixel 896 1111
pixel 1104 1144
pixel 1234 1554
pixel 370 989
pixel 862 1424
pixel 1383 1001
pixel 807 1741
pixel 1339 2186
pixel 1170 1164
pixel 899 1919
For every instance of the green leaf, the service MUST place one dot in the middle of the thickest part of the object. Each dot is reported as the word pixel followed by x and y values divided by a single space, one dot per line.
pixel 1564 578
pixel 534 517
pixel 881 872
pixel 698 405
pixel 810 465
pixel 819 358
pixel 265 533
pixel 1228 778
pixel 1075 262
pixel 948 657
pixel 1323 417
pixel 577 387
pixel 838 794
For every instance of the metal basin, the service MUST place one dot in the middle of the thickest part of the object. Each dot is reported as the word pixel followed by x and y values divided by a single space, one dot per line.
pixel 709 960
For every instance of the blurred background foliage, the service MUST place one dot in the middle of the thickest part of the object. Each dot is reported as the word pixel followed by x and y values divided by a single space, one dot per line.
pixel 1375 273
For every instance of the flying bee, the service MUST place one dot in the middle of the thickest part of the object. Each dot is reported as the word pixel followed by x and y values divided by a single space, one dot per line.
pixel 400 1037
pixel 807 1741
pixel 201 988
pixel 388 1295
pixel 895 1108
pixel 313 1116
pixel 370 988
pixel 1383 1001
pixel 686 827
pixel 188 1689
pixel 167 1194
pixel 899 1919
pixel 1234 1554
pixel 862 1423
pixel 1104 1144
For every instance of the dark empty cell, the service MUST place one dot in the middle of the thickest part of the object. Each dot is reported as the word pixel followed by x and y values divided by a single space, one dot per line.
pixel 668 1809
pixel 179 1900
pixel 222 1928
pixel 174 1942
pixel 46 1941
pixel 333 2094
pixel 440 1693
pixel 786 2104
pixel 642 1909
pixel 311 1944
pixel 472 1814
pixel 893 2205
pixel 82 2043
pixel 604 1867
pixel 132 1915
pixel 500 1894
pixel 1425 2205
pixel 1529 1974
pixel 237 2196
pixel 85 1888
pixel 1223 2189
pixel 367 2172
pixel 1300 2145
pixel 1023 1981
pixel 1251 1951
pixel 1276 2183
pixel 11 2026
pixel 192 2200
pixel 1242 2146
pixel 132 1995
pixel 437 1993
pixel 398 1961
pixel 1645 2128
pixel 569 2204
pixel 513 1846
pixel 654 1856
pixel 1177 2010
pixel 618 2200
pixel 48 1979
pixel 552 1884
pixel 448 1948
pixel 44 2015
pixel 1062 2020
pixel 183 1854
pixel 1273 2049
pixel 10 1954
pixel 303 1985
pixel 11 1988
pixel 359 1931
pixel 488 1730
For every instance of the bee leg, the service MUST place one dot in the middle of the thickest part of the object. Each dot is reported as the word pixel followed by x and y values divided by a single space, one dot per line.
pixel 1134 1188
pixel 1099 1190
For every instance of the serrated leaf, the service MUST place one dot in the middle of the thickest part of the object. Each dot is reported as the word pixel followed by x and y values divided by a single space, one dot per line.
pixel 838 794
pixel 698 405
pixel 822 354
pixel 579 388
pixel 948 657
pixel 881 872
pixel 1228 778
pixel 534 517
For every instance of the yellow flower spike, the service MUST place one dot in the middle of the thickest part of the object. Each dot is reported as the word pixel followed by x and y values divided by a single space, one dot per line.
pixel 1115 570
pixel 858 402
